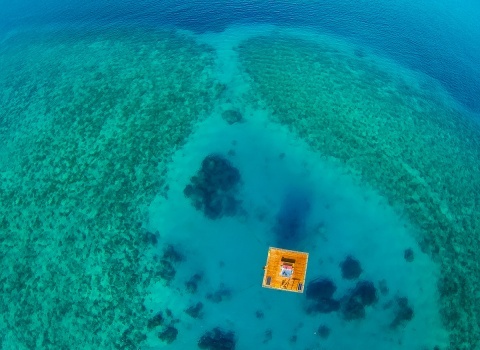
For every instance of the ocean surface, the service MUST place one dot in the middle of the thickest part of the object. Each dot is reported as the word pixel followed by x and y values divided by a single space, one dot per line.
pixel 152 153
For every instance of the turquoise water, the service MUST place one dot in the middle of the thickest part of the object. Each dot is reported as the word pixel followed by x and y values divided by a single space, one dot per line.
pixel 151 153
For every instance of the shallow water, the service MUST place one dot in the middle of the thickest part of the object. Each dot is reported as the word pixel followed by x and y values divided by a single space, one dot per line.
pixel 152 153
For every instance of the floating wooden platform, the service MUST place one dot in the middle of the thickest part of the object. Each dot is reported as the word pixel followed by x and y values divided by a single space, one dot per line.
pixel 285 270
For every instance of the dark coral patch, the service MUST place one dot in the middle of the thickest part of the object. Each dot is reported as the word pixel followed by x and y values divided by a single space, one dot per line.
pixel 408 255
pixel 323 332
pixel 192 284
pixel 351 268
pixel 166 265
pixel 169 334
pixel 195 311
pixel 268 335
pixel 166 271
pixel 232 116
pixel 365 292
pixel 223 293
pixel 353 309
pixel 217 339
pixel 321 288
pixel 403 313
pixel 150 237
pixel 170 253
pixel 155 321
pixel 320 294
pixel 212 190
pixel 353 305
pixel 323 306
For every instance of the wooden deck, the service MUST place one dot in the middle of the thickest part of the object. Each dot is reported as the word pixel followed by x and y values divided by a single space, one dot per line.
pixel 285 270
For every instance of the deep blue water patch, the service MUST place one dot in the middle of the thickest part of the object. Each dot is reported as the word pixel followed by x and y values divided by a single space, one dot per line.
pixel 424 38
pixel 291 219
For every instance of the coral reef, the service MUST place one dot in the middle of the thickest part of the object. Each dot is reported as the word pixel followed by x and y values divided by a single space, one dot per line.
pixel 172 254
pixel 323 331
pixel 351 268
pixel 232 116
pixel 320 298
pixel 383 287
pixel 320 295
pixel 353 304
pixel 268 335
pixel 155 321
pixel 320 288
pixel 217 339
pixel 365 292
pixel 212 190
pixel 192 284
pixel 403 313
pixel 151 237
pixel 195 311
pixel 409 255
pixel 166 264
pixel 166 270
pixel 353 309
pixel 402 137
pixel 221 294
pixel 168 335
pixel 93 133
